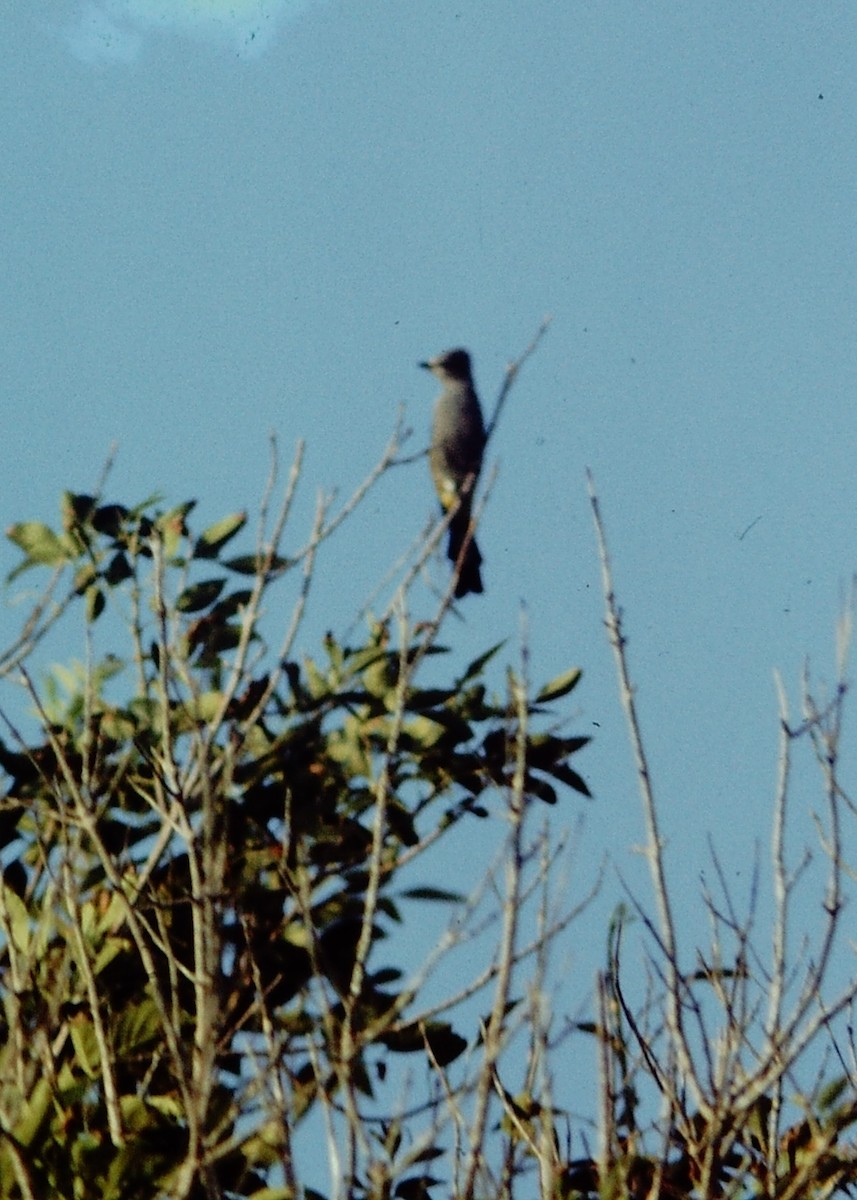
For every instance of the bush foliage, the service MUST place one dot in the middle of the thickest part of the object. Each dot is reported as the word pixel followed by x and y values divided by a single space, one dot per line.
pixel 208 902
pixel 204 845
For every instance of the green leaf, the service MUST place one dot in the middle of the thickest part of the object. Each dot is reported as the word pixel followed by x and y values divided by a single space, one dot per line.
pixel 138 1027
pixel 213 539
pixel 107 668
pixel 85 1045
pixel 35 1112
pixel 560 686
pixel 172 527
pixel 380 676
pixel 275 1193
pixel 317 683
pixel 832 1092
pixel 84 577
pixel 204 707
pixel 39 542
pixel 455 729
pixel 95 603
pixel 347 746
pixel 424 732
pixel 18 918
pixel 359 660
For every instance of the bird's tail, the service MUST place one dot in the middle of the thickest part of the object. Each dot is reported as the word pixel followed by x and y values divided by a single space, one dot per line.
pixel 464 553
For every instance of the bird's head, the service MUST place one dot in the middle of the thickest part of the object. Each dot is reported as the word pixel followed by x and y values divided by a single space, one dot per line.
pixel 452 365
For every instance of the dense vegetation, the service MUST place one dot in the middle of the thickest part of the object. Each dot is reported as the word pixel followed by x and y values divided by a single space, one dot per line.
pixel 208 849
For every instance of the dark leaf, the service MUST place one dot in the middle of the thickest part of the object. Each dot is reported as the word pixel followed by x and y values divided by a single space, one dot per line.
pixel 570 778
pixel 476 667
pixel 249 564
pixel 200 595
pixel 434 894
pixel 232 603
pixel 77 508
pixel 109 518
pixel 533 786
pixel 118 569
pixel 415 1188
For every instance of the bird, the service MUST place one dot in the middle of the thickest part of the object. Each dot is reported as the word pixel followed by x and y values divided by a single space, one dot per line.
pixel 455 459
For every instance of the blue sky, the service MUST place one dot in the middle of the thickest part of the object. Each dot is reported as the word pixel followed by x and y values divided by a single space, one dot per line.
pixel 224 219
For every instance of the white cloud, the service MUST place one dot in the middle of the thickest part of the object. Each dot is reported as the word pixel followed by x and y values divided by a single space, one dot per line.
pixel 114 30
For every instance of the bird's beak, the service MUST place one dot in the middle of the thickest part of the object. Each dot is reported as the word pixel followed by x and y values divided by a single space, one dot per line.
pixel 426 366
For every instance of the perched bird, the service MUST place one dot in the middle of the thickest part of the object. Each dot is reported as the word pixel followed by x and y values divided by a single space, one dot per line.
pixel 455 457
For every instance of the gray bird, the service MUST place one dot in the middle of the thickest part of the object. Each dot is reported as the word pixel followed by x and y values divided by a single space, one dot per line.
pixel 457 443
